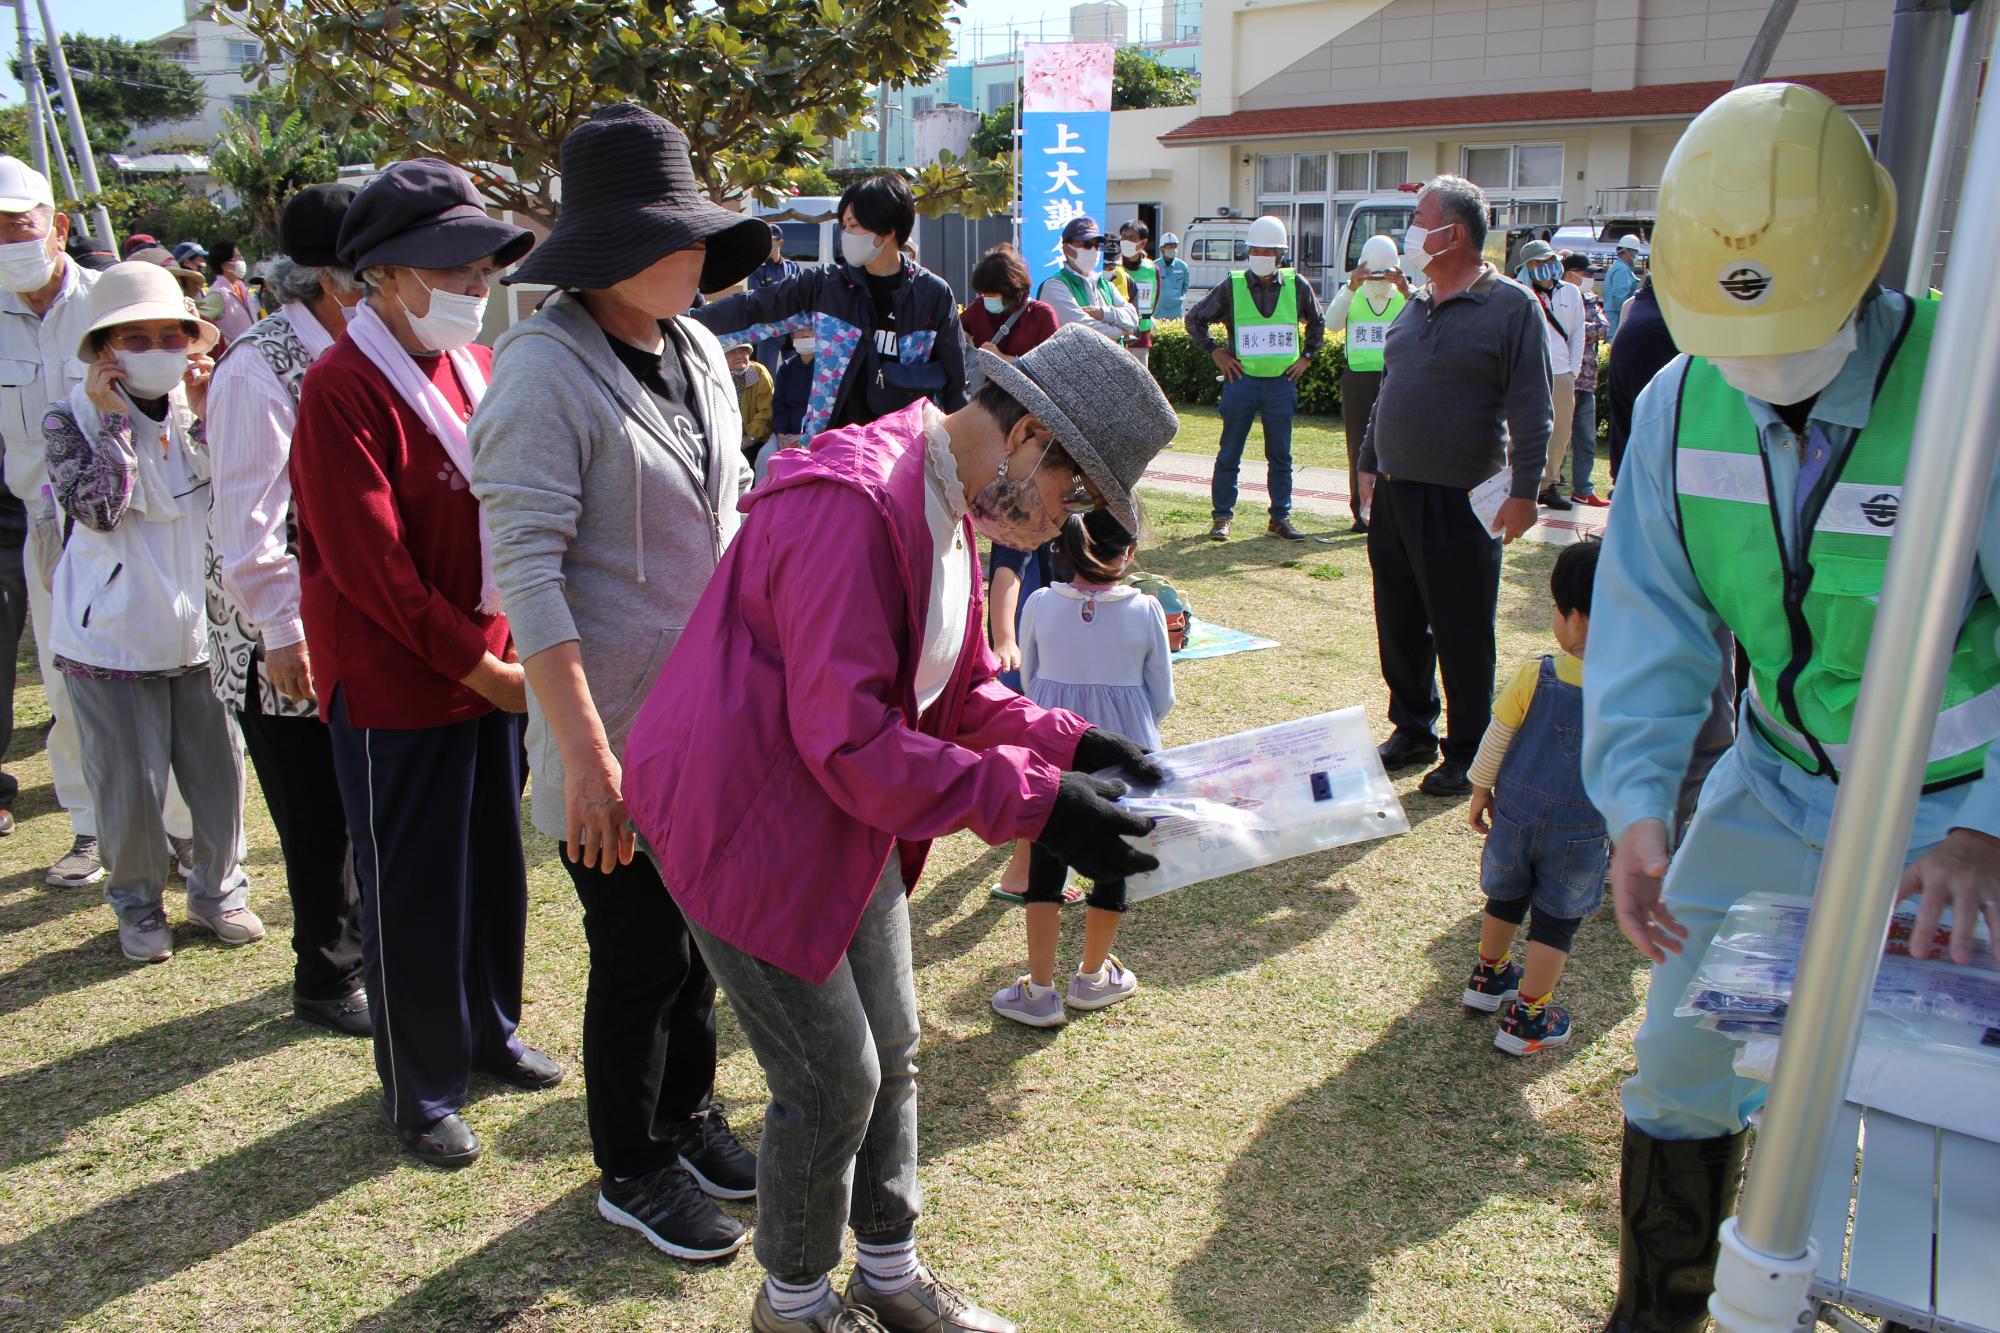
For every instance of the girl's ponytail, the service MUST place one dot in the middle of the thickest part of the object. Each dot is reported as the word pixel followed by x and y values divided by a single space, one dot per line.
pixel 1096 545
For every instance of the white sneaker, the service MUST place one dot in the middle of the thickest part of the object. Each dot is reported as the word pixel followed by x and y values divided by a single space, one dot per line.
pixel 1117 984
pixel 238 925
pixel 148 941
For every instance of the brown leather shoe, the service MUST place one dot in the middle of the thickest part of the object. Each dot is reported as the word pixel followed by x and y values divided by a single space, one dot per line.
pixel 1219 530
pixel 928 1305
pixel 832 1315
pixel 1282 527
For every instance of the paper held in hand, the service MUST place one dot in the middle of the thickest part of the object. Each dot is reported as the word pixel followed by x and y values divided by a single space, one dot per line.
pixel 1488 496
pixel 1248 800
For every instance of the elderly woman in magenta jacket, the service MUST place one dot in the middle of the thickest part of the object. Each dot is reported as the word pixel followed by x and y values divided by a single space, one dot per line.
pixel 819 723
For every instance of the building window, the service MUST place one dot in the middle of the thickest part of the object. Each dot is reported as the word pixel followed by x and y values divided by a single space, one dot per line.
pixel 1274 173
pixel 245 53
pixel 240 104
pixel 1505 167
pixel 999 95
pixel 1392 168
pixel 919 105
pixel 1544 214
pixel 1309 173
pixel 1353 173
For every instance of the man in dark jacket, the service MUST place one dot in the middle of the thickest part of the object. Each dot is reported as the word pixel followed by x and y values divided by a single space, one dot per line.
pixel 771 352
pixel 887 331
pixel 1642 345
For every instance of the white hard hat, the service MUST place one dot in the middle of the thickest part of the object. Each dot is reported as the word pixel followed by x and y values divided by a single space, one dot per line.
pixel 1378 254
pixel 1268 233
pixel 22 187
pixel 1169 239
pixel 1631 242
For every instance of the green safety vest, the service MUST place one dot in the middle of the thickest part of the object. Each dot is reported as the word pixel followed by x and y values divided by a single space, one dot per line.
pixel 1145 281
pixel 1106 295
pixel 1806 630
pixel 1266 345
pixel 1368 332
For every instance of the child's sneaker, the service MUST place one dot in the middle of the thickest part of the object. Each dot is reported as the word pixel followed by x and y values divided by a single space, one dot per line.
pixel 1490 987
pixel 1525 1032
pixel 1113 984
pixel 1020 1003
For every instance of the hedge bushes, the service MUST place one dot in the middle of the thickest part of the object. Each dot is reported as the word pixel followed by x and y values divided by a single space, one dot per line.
pixel 1188 376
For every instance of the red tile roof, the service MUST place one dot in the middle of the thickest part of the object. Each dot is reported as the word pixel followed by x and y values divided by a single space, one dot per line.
pixel 1858 88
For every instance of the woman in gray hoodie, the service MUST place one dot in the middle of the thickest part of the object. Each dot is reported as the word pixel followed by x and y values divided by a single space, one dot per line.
pixel 606 460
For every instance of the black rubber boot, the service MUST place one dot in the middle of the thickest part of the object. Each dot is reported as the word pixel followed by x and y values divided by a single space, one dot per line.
pixel 1673 1197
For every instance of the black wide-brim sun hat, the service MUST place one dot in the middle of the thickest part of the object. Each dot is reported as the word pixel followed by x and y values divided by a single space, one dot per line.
pixel 630 199
pixel 425 214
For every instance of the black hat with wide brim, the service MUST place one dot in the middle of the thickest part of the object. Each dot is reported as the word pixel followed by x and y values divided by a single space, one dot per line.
pixel 425 213
pixel 630 199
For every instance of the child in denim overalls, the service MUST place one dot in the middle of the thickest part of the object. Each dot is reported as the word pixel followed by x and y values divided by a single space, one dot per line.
pixel 1545 844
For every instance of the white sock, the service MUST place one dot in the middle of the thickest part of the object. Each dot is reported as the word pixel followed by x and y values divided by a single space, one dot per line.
pixel 789 1302
pixel 888 1269
pixel 1093 978
pixel 1036 992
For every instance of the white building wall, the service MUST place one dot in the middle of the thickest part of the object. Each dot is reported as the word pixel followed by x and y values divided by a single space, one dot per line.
pixel 203 48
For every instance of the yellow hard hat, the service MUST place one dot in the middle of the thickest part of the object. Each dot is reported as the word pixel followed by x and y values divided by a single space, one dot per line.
pixel 1773 221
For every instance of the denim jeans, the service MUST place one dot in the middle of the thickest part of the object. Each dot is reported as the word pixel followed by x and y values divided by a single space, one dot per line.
pixel 840 1133
pixel 1583 443
pixel 1275 399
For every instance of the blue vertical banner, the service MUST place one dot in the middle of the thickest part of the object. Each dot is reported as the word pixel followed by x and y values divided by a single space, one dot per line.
pixel 1065 144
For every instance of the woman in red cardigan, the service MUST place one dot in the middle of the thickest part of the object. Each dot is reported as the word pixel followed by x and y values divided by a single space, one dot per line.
pixel 412 662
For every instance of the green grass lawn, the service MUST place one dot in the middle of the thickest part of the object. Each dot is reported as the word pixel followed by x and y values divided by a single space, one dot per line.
pixel 1291 1127
pixel 1316 442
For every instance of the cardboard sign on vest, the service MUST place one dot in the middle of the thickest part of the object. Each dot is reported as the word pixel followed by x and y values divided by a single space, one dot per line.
pixel 1266 340
pixel 1370 335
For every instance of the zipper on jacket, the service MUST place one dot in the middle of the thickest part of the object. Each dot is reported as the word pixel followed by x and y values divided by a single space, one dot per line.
pixel 109 579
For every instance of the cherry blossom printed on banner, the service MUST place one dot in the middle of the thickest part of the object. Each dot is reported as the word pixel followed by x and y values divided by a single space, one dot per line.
pixel 1072 76
pixel 1065 144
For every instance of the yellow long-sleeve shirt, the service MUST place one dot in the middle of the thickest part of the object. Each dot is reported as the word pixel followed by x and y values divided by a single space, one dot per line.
pixel 1510 710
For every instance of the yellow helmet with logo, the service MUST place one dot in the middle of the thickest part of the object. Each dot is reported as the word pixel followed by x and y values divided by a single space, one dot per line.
pixel 1773 221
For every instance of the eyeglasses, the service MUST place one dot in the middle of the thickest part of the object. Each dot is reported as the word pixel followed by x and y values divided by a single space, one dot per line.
pixel 139 342
pixel 1077 499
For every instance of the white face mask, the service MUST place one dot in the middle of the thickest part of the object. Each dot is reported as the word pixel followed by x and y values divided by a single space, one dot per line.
pixel 1791 377
pixel 26 266
pixel 152 374
pixel 806 347
pixel 1170 253
pixel 1415 258
pixel 451 322
pixel 235 268
pixel 1085 261
pixel 1129 249
pixel 1263 265
pixel 1378 289
pixel 859 250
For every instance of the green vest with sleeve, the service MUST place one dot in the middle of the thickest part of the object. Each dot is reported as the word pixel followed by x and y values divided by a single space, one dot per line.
pixel 1806 630
pixel 1100 292
pixel 1368 332
pixel 1267 345
pixel 1145 281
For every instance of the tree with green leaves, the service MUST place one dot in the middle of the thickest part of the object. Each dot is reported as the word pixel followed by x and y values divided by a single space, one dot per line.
pixel 759 86
pixel 266 164
pixel 121 86
pixel 995 135
pixel 1140 79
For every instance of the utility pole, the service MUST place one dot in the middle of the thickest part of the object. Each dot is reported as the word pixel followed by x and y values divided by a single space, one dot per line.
pixel 39 92
pixel 37 144
pixel 1919 50
pixel 86 164
pixel 882 126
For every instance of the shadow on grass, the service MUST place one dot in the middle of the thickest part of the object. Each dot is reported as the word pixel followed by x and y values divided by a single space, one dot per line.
pixel 1406 1140
pixel 57 1276
pixel 39 904
pixel 41 1106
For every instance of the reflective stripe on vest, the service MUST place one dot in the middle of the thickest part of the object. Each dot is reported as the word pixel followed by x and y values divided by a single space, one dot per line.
pixel 1806 629
pixel 1266 344
pixel 1368 332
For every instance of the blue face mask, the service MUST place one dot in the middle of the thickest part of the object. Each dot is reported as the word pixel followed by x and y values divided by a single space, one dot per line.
pixel 994 305
pixel 1544 272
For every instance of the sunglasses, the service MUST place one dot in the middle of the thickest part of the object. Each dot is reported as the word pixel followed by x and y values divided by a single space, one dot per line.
pixel 139 342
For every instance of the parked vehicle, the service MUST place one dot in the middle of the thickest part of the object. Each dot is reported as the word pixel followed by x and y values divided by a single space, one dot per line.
pixel 1213 248
pixel 806 242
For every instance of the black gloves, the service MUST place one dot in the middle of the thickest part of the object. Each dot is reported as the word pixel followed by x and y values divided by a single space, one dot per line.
pixel 1097 750
pixel 1088 832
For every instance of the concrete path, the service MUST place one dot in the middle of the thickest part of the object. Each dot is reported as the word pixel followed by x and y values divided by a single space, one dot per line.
pixel 1323 491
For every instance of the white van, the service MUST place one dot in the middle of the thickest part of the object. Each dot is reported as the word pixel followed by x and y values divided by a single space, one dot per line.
pixel 1213 248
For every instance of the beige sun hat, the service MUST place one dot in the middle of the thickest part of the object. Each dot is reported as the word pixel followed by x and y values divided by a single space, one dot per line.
pixel 132 291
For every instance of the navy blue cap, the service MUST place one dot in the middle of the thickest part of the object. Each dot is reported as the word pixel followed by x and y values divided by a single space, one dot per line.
pixel 1082 231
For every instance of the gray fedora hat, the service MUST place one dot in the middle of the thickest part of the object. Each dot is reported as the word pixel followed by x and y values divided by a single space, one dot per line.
pixel 1101 405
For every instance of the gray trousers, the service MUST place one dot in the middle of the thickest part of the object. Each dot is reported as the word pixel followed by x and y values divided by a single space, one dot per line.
pixel 840 1133
pixel 137 737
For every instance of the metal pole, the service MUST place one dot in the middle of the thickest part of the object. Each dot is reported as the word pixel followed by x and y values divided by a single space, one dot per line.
pixel 36 143
pixel 86 164
pixel 1937 166
pixel 1944 505
pixel 39 92
pixel 1765 44
pixel 1020 200
pixel 1919 46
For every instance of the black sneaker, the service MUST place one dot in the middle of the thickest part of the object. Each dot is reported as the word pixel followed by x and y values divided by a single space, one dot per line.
pixel 717 1160
pixel 1403 750
pixel 671 1212
pixel 534 1071
pixel 1524 1031
pixel 1490 987
pixel 1447 780
pixel 446 1142
pixel 1551 498
pixel 347 1014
